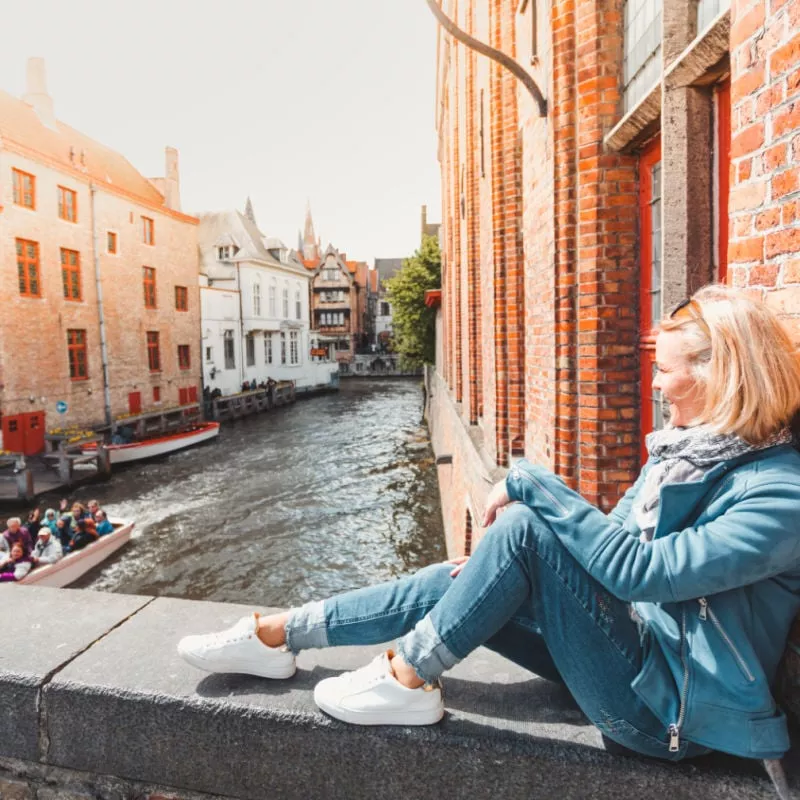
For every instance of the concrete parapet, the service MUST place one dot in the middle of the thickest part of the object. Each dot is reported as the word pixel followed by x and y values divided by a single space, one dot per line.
pixel 93 694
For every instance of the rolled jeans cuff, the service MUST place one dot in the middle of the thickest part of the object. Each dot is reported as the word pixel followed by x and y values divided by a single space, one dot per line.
pixel 306 627
pixel 424 650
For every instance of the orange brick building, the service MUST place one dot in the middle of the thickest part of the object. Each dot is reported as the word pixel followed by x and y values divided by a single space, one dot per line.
pixel 82 231
pixel 666 159
pixel 339 298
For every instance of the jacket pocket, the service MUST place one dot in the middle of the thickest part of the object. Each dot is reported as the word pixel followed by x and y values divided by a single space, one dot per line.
pixel 707 613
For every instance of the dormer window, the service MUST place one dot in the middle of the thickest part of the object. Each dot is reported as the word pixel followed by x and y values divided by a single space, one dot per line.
pixel 284 256
pixel 226 252
pixel 331 274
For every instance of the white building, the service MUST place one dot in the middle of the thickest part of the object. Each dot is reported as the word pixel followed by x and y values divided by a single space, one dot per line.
pixel 254 306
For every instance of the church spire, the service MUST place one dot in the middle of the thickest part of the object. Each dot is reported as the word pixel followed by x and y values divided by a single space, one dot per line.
pixel 310 244
pixel 248 211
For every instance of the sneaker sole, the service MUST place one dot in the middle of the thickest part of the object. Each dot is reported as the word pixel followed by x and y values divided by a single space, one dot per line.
pixel 423 717
pixel 275 673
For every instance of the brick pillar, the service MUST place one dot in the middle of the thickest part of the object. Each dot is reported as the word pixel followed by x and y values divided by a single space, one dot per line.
pixel 563 108
pixel 456 211
pixel 606 276
pixel 472 202
pixel 509 301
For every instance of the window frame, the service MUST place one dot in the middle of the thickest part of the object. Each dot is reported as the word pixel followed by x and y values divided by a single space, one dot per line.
pixel 722 158
pixel 648 158
pixel 250 350
pixel 68 271
pixel 184 356
pixel 294 348
pixel 149 287
pixel 268 348
pixel 228 340
pixel 157 394
pixel 63 206
pixel 74 351
pixel 23 268
pixel 298 304
pixel 115 251
pixel 154 351
pixel 181 298
pixel 18 177
pixel 148 231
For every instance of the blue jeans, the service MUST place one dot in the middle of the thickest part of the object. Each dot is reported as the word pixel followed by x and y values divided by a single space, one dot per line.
pixel 522 595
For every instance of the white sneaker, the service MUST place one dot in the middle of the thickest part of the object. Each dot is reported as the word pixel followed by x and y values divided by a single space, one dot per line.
pixel 373 696
pixel 237 649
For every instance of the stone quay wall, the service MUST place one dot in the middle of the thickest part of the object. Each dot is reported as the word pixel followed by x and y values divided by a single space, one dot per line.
pixel 95 702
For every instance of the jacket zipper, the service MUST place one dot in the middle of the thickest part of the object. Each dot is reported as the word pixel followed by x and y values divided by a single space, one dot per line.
pixel 675 728
pixel 707 612
pixel 544 490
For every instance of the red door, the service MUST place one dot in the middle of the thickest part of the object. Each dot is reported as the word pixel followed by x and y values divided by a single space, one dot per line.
pixel 14 434
pixel 24 433
pixel 135 403
pixel 34 432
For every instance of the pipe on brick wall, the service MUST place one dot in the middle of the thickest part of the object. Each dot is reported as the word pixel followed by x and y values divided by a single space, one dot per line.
pixel 498 56
pixel 101 317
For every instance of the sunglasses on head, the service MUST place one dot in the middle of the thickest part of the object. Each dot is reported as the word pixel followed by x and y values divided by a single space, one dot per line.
pixel 691 309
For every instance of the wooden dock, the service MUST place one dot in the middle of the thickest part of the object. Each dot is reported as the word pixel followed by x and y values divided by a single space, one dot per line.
pixel 236 406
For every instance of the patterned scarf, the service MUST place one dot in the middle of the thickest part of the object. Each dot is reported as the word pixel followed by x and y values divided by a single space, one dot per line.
pixel 686 454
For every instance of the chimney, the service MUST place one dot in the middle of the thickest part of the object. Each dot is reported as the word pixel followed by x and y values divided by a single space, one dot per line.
pixel 172 181
pixel 36 93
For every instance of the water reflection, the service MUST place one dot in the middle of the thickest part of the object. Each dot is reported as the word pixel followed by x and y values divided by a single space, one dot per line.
pixel 328 495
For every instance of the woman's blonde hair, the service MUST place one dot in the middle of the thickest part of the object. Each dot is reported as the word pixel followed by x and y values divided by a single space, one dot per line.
pixel 743 356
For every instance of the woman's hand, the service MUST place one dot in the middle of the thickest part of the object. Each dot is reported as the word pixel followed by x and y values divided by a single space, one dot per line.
pixel 498 498
pixel 458 564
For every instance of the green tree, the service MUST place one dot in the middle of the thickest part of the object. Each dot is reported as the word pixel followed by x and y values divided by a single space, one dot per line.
pixel 413 322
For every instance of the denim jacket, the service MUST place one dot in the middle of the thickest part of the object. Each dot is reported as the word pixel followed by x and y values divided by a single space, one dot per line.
pixel 717 590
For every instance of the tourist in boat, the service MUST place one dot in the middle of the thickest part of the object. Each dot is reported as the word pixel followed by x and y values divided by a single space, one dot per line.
pixel 64 531
pixel 33 523
pixel 16 566
pixel 51 520
pixel 102 525
pixel 47 549
pixel 92 507
pixel 14 533
pixel 85 533
pixel 666 618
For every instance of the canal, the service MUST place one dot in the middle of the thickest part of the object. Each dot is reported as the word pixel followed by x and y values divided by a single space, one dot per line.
pixel 329 494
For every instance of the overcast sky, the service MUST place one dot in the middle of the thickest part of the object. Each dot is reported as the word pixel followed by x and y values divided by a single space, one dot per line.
pixel 284 100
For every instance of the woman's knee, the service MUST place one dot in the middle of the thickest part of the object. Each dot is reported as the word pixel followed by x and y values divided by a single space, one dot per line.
pixel 520 526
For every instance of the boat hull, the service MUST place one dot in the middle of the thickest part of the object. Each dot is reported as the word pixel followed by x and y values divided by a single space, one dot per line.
pixel 75 565
pixel 163 445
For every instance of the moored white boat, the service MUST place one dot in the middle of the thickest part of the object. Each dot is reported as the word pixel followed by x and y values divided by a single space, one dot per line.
pixel 160 446
pixel 74 565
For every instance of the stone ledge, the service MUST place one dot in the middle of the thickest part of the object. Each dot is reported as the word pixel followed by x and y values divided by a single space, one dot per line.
pixel 124 704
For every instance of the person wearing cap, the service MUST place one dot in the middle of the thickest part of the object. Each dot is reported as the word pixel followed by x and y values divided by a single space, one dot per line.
pixel 47 549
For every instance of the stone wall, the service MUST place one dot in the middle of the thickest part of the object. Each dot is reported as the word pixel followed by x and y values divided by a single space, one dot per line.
pixel 95 702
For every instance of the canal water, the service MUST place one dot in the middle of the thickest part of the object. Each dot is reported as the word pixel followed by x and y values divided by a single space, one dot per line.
pixel 328 494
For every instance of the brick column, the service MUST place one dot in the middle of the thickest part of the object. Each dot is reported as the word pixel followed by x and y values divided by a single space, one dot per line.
pixel 606 264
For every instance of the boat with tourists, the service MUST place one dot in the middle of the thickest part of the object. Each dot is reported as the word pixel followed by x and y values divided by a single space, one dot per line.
pixel 76 564
pixel 124 453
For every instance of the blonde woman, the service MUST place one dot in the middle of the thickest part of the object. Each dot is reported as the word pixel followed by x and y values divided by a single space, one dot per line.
pixel 666 619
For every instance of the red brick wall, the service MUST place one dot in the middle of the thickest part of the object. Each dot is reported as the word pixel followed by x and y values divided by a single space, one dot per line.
pixel 765 152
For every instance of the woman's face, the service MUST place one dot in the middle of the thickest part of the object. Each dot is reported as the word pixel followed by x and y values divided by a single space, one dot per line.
pixel 675 381
pixel 17 552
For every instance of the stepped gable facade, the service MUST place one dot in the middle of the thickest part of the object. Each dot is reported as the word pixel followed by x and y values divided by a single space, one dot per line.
pixel 254 304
